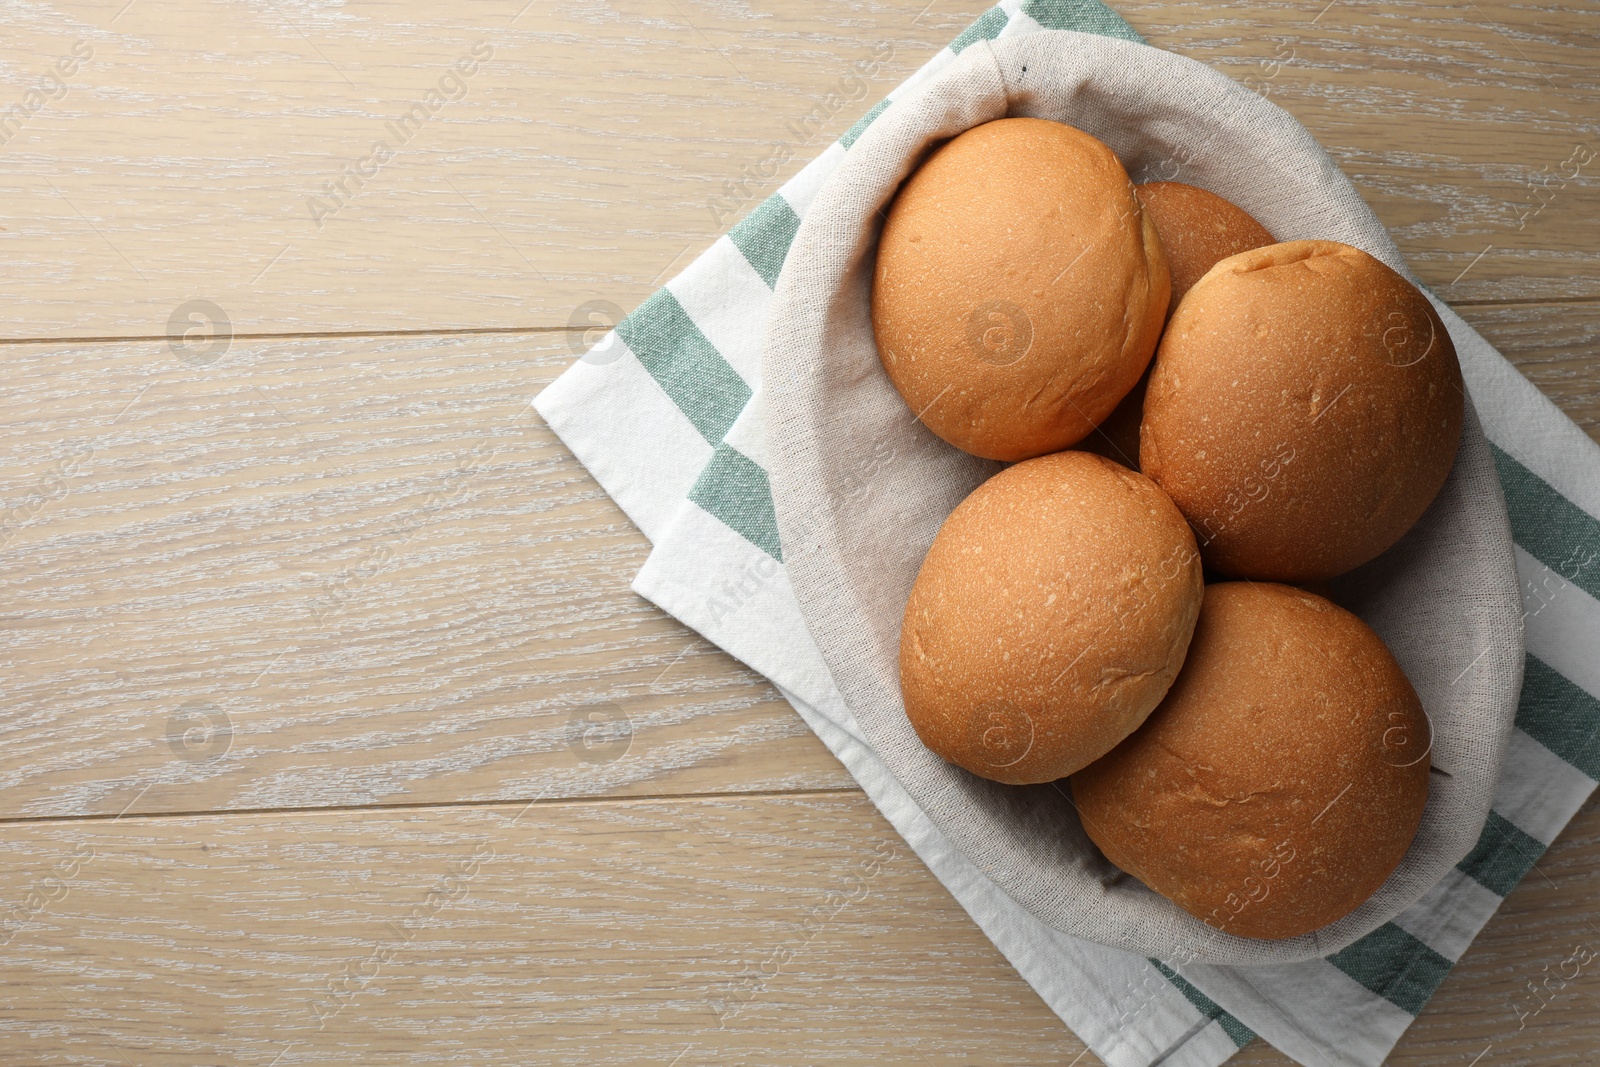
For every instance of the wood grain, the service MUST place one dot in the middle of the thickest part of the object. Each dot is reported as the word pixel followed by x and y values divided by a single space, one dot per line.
pixel 335 572
pixel 1457 120
pixel 767 931
pixel 290 637
pixel 591 155
pixel 579 161
pixel 772 930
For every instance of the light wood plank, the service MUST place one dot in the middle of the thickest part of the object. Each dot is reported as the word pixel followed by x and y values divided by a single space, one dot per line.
pixel 590 156
pixel 777 931
pixel 1471 128
pixel 581 160
pixel 369 560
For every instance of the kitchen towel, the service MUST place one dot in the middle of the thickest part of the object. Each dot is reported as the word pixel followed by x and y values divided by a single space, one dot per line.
pixel 665 413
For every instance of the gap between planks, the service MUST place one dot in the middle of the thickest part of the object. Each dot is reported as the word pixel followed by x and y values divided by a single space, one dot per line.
pixel 434 805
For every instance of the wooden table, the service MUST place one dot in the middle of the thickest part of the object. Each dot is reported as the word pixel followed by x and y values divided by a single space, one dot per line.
pixel 332 732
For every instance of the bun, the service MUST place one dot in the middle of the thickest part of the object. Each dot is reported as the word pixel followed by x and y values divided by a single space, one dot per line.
pixel 1198 229
pixel 1049 617
pixel 1282 779
pixel 1019 290
pixel 1303 411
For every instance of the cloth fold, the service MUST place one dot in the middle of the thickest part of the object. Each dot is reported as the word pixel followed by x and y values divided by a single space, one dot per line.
pixel 670 423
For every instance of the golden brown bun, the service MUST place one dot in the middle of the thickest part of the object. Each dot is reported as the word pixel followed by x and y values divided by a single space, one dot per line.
pixel 1282 779
pixel 1050 615
pixel 1303 411
pixel 1019 290
pixel 1198 229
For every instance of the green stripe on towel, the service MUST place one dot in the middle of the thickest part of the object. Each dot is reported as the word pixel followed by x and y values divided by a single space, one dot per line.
pixel 1549 527
pixel 1241 1034
pixel 736 491
pixel 764 236
pixel 1502 856
pixel 1086 16
pixel 1560 716
pixel 986 28
pixel 860 126
pixel 703 385
pixel 1394 965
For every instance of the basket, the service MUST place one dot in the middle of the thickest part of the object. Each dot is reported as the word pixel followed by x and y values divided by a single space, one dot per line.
pixel 861 487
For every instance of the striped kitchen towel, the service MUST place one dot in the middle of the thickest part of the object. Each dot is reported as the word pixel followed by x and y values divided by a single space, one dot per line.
pixel 665 412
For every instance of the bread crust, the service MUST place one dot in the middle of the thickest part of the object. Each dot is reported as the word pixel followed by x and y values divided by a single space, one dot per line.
pixel 1283 777
pixel 1304 409
pixel 1198 229
pixel 1050 615
pixel 1019 289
